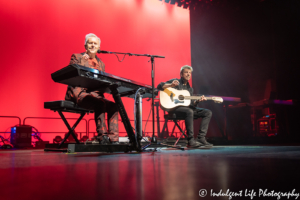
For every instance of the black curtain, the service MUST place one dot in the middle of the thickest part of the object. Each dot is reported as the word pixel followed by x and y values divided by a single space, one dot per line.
pixel 246 49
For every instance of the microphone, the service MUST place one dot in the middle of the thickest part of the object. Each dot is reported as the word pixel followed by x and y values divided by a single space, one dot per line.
pixel 100 51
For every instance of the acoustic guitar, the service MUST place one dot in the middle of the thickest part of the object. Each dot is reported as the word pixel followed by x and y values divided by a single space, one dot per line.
pixel 171 98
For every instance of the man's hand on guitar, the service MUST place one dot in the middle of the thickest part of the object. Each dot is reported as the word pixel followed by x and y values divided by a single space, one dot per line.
pixel 175 83
pixel 202 98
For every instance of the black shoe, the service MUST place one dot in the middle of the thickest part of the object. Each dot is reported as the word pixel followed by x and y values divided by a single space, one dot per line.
pixel 203 142
pixel 192 143
pixel 115 142
pixel 105 140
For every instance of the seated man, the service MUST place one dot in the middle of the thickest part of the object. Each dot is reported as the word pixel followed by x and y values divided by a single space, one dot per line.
pixel 94 100
pixel 190 111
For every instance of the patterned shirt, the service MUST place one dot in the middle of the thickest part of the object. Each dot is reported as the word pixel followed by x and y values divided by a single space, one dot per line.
pixel 76 94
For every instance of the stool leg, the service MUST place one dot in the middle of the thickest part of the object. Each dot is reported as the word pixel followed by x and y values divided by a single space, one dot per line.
pixel 182 132
pixel 71 130
pixel 165 129
pixel 173 130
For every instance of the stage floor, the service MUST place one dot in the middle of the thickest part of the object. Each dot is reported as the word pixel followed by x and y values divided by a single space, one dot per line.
pixel 167 174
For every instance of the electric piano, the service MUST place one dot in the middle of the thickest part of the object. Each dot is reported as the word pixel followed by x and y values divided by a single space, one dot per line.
pixel 79 76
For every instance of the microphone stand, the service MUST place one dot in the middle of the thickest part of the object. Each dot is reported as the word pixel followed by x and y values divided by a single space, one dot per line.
pixel 154 139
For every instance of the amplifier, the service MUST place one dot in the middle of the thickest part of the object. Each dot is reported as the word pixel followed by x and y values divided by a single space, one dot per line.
pixel 267 125
pixel 21 136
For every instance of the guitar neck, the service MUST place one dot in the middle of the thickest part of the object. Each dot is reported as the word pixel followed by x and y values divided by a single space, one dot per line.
pixel 197 97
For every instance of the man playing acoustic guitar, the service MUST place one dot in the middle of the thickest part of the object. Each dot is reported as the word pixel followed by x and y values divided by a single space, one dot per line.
pixel 191 111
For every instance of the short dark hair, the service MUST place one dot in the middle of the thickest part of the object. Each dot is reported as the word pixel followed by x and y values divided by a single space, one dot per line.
pixel 185 67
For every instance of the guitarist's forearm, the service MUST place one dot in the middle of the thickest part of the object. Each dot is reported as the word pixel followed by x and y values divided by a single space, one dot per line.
pixel 167 85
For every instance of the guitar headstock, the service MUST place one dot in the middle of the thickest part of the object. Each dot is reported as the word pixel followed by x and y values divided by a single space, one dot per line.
pixel 217 99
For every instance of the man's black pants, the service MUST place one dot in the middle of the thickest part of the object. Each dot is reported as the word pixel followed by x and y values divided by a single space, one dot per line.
pixel 190 114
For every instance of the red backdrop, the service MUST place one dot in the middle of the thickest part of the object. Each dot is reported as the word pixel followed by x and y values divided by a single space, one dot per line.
pixel 38 38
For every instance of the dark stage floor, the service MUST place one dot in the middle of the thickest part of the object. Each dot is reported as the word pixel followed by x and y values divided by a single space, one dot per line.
pixel 164 174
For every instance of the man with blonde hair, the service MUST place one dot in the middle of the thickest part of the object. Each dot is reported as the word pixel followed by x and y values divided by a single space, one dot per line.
pixel 94 100
pixel 190 112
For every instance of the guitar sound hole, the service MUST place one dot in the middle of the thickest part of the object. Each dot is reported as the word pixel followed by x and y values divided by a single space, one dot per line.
pixel 181 97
